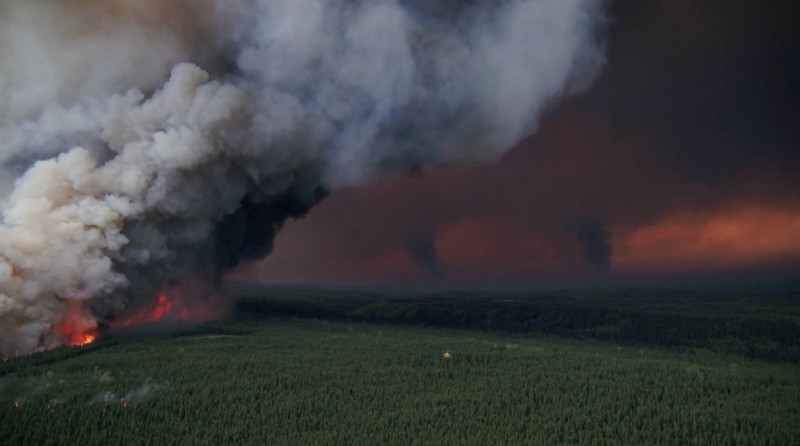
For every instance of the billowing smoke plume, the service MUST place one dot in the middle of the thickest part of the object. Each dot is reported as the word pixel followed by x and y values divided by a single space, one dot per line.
pixel 144 141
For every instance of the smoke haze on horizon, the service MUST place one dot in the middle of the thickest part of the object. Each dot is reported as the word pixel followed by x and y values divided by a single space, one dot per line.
pixel 681 161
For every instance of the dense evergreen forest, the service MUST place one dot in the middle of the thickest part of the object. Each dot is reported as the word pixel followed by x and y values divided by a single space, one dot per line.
pixel 294 367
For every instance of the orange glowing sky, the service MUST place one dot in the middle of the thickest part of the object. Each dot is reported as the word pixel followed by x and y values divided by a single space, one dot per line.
pixel 681 159
pixel 736 239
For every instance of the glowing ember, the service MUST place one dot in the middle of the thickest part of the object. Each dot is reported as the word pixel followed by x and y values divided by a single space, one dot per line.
pixel 5 358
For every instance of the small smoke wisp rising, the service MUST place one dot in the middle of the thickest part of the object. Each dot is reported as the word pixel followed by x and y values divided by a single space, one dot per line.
pixel 142 143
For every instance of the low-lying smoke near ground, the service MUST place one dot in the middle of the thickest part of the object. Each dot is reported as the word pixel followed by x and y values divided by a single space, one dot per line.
pixel 145 143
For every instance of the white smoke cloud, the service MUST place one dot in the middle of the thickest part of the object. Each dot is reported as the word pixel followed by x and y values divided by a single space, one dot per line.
pixel 133 397
pixel 121 183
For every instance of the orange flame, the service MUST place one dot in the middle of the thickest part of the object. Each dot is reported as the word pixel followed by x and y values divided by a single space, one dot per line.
pixel 76 328
pixel 83 339
pixel 162 309
pixel 170 306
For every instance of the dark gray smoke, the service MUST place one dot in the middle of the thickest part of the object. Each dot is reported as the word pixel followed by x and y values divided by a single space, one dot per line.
pixel 423 252
pixel 143 142
pixel 595 243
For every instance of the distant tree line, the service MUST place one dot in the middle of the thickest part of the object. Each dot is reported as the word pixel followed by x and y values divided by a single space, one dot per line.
pixel 766 337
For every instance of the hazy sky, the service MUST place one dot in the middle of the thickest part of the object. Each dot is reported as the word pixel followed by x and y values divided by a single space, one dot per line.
pixel 683 158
